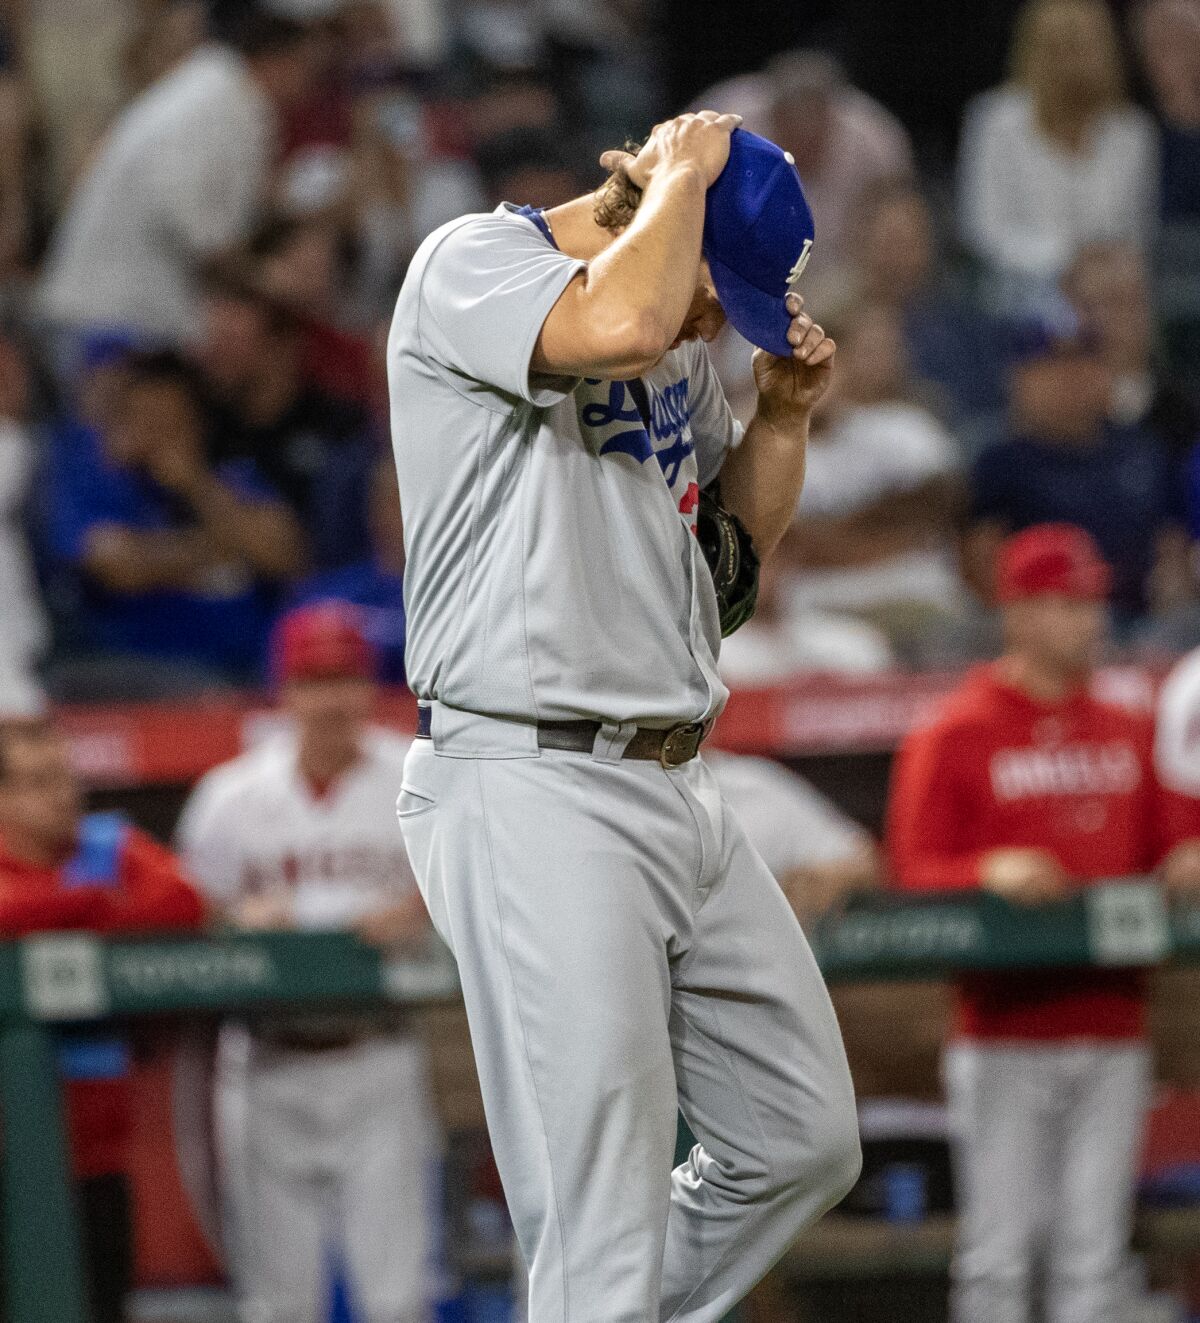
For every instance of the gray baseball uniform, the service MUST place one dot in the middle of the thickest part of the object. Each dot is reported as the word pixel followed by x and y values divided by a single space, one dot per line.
pixel 623 951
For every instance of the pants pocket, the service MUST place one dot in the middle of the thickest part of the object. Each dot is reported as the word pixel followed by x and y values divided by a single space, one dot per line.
pixel 413 801
pixel 418 826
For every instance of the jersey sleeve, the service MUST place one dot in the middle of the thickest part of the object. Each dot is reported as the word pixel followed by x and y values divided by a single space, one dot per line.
pixel 155 896
pixel 928 810
pixel 715 431
pixel 208 840
pixel 487 288
pixel 1177 734
pixel 1177 751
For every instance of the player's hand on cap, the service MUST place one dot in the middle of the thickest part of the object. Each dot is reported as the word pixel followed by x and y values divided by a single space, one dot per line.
pixel 796 384
pixel 700 140
pixel 1024 876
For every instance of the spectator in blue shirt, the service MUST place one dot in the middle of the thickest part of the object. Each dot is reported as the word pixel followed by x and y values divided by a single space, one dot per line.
pixel 1062 461
pixel 375 584
pixel 171 556
pixel 316 450
pixel 951 345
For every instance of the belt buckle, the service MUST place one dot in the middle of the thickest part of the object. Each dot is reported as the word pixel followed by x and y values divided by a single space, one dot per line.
pixel 681 744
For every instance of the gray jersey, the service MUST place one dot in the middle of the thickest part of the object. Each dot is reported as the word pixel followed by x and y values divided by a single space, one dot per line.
pixel 552 569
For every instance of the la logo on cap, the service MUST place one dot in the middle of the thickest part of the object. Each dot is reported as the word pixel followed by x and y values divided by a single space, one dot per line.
pixel 801 262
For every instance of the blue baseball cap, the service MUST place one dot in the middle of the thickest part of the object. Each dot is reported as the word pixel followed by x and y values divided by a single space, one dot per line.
pixel 758 234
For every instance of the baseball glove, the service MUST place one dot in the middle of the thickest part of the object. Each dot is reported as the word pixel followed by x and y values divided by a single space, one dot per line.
pixel 731 559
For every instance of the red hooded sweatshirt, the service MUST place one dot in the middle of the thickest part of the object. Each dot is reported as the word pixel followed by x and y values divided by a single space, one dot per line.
pixel 118 881
pixel 996 768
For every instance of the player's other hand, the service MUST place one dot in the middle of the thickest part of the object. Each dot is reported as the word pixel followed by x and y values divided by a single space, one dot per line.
pixel 406 923
pixel 269 910
pixel 1181 871
pixel 1024 876
pixel 794 385
pixel 700 141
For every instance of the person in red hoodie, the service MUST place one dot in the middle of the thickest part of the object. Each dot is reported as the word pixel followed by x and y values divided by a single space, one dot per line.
pixel 1028 785
pixel 62 868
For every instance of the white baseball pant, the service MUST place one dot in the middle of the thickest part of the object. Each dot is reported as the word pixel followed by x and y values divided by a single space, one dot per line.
pixel 330 1162
pixel 623 953
pixel 1046 1146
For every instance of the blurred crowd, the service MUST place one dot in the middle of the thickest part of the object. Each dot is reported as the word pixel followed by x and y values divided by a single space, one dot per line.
pixel 206 210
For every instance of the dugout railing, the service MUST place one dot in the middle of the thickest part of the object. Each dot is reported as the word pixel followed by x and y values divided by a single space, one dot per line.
pixel 55 982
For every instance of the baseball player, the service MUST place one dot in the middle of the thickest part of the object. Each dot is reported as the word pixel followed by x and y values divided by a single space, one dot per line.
pixel 327 1129
pixel 1027 785
pixel 623 951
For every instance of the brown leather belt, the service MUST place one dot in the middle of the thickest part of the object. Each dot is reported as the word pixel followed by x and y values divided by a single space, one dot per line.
pixel 672 746
pixel 297 1041
pixel 332 1032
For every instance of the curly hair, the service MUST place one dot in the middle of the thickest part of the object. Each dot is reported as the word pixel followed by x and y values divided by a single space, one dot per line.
pixel 618 198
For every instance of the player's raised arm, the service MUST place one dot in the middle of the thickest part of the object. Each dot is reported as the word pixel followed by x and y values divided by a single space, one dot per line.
pixel 761 480
pixel 620 315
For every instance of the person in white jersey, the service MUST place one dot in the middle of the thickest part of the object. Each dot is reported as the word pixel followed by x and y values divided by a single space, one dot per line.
pixel 623 951
pixel 818 855
pixel 329 1142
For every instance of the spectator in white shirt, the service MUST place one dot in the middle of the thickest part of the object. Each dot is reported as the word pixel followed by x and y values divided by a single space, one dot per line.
pixel 874 530
pixel 177 183
pixel 1058 157
pixel 816 853
pixel 778 644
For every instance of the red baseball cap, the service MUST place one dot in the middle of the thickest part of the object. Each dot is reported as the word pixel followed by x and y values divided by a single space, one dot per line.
pixel 324 641
pixel 1052 558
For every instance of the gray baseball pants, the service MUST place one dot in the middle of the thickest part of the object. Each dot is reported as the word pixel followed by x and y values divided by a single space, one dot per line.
pixel 1047 1139
pixel 624 953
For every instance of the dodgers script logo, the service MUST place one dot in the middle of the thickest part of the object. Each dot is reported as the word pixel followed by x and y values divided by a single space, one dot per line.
pixel 612 423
